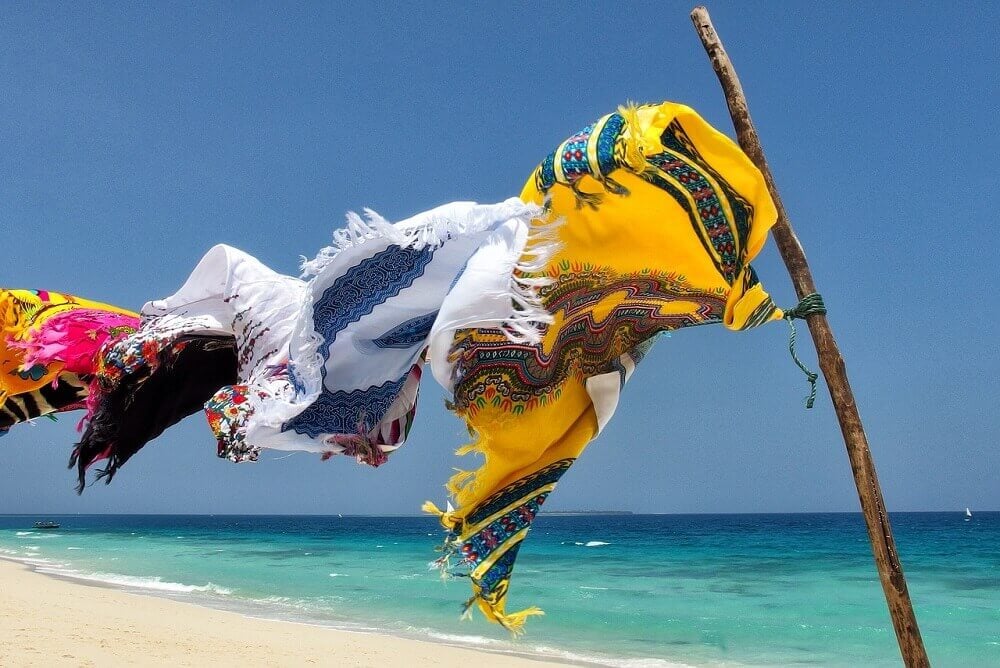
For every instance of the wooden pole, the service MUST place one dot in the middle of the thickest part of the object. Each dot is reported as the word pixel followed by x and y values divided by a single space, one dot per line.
pixel 872 506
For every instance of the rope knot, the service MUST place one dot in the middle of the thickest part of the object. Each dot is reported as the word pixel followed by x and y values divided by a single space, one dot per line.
pixel 811 304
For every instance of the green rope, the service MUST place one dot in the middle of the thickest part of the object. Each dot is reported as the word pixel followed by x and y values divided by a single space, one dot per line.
pixel 811 304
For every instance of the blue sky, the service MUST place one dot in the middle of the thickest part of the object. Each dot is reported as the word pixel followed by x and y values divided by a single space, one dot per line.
pixel 135 137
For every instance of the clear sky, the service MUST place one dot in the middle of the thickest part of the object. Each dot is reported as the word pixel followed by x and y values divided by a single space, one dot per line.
pixel 134 137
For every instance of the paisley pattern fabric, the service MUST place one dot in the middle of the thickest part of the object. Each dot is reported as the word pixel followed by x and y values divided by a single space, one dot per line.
pixel 660 216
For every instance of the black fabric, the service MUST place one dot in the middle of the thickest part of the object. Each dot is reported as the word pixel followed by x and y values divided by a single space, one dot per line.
pixel 142 405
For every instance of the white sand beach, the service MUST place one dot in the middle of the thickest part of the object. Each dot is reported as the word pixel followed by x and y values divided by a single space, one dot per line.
pixel 46 621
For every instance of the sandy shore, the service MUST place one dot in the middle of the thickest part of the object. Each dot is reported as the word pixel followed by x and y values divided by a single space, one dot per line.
pixel 49 622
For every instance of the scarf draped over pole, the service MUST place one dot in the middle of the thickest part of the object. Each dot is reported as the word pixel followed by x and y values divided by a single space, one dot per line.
pixel 657 215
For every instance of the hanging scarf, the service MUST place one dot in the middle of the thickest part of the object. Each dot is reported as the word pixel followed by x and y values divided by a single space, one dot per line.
pixel 331 365
pixel 48 346
pixel 660 215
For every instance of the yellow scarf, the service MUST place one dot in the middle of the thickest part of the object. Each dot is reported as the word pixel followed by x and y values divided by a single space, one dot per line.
pixel 661 215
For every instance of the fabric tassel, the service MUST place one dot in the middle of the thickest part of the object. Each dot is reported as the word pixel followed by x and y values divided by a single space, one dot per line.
pixel 446 517
pixel 514 622
pixel 494 611
pixel 635 157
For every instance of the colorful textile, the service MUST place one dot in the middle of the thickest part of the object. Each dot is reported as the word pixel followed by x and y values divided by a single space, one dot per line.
pixel 48 346
pixel 330 366
pixel 371 302
pixel 228 324
pixel 147 382
pixel 660 216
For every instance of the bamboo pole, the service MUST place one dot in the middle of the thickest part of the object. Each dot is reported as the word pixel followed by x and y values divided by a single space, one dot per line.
pixel 872 506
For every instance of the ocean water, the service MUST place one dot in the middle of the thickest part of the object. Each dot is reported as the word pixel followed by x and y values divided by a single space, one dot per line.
pixel 624 590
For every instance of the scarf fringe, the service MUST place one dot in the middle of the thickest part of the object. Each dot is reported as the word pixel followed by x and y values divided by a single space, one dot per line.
pixel 635 154
pixel 447 517
pixel 432 233
pixel 529 314
pixel 356 232
pixel 494 612
pixel 521 325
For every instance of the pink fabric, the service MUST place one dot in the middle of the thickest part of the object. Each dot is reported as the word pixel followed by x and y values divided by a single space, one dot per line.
pixel 75 338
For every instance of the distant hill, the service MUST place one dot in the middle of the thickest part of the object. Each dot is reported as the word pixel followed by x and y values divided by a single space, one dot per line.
pixel 586 512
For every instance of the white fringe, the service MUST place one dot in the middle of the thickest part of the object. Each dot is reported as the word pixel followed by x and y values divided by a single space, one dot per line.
pixel 431 229
pixel 524 323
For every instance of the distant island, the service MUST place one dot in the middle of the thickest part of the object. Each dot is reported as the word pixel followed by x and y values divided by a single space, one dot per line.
pixel 586 512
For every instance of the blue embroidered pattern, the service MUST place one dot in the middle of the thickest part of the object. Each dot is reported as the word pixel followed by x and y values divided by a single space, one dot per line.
pixel 409 334
pixel 500 572
pixel 518 490
pixel 373 281
pixel 575 161
pixel 348 299
pixel 547 173
pixel 606 141
pixel 709 214
pixel 674 138
pixel 340 412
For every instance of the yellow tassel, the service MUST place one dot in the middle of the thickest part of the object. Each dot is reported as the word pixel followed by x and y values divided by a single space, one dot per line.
pixel 447 518
pixel 431 509
pixel 634 155
pixel 466 449
pixel 514 622
pixel 459 481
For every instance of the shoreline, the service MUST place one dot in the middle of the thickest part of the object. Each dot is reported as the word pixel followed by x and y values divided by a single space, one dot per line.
pixel 48 620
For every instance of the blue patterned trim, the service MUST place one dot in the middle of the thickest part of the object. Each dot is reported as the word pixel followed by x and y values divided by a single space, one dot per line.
pixel 341 412
pixel 519 490
pixel 606 140
pixel 349 298
pixel 676 139
pixel 546 173
pixel 708 217
pixel 371 282
pixel 499 572
pixel 499 531
pixel 410 333
pixel 573 157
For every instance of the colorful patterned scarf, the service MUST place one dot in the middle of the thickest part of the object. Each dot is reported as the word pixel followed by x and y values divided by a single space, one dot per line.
pixel 331 365
pixel 49 343
pixel 660 215
pixel 145 383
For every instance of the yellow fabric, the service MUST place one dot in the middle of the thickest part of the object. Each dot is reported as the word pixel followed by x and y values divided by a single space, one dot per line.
pixel 647 197
pixel 22 311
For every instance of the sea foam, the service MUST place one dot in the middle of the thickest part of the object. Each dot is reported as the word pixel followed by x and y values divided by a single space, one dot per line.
pixel 153 583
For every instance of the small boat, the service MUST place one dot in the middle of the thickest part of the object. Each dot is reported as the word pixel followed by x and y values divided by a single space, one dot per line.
pixel 48 524
pixel 968 514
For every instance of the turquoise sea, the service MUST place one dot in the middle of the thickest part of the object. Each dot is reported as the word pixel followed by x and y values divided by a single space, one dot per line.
pixel 624 590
